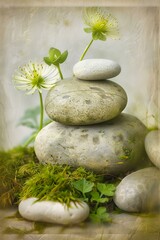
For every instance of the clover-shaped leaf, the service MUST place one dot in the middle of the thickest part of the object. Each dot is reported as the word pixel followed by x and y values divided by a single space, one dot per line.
pixel 63 57
pixel 100 215
pixel 47 60
pixel 83 185
pixel 55 57
pixel 106 189
pixel 54 54
pixel 97 198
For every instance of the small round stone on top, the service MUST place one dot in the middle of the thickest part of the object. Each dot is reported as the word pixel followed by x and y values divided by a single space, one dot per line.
pixel 96 69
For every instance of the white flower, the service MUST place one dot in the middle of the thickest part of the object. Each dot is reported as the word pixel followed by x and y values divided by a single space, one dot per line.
pixel 101 24
pixel 35 76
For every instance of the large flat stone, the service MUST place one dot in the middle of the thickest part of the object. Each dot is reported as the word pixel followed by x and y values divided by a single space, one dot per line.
pixel 112 147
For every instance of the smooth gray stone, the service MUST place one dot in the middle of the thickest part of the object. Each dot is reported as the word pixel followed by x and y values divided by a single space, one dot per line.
pixel 152 146
pixel 96 69
pixel 139 191
pixel 77 102
pixel 112 147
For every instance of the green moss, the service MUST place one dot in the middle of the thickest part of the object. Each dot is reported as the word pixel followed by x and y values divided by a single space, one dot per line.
pixel 54 182
pixel 22 176
pixel 127 154
pixel 10 162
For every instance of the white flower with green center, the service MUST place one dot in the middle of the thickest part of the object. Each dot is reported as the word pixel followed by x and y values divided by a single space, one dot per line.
pixel 32 77
pixel 35 76
pixel 100 24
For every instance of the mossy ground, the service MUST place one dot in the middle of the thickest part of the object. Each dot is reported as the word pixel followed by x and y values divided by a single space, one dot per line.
pixel 53 182
pixel 22 176
pixel 10 162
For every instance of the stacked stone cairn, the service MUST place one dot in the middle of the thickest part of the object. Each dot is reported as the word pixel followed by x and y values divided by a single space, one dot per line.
pixel 90 130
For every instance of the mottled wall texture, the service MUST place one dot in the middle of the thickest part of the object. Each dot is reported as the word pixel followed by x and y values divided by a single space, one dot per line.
pixel 27 33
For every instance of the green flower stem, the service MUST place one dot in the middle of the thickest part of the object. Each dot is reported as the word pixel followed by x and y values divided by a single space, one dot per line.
pixel 42 111
pixel 97 204
pixel 96 207
pixel 86 49
pixel 31 139
pixel 59 70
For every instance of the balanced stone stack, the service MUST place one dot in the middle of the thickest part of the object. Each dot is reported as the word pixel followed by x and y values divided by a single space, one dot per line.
pixel 89 129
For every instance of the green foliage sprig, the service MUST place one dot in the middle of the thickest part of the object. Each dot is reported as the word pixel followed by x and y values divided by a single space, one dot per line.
pixel 56 58
pixel 97 195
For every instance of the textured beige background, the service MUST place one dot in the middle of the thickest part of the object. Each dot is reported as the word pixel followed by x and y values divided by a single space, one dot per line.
pixel 29 28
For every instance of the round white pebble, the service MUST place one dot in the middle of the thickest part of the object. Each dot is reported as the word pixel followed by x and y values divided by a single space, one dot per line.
pixel 96 69
pixel 53 212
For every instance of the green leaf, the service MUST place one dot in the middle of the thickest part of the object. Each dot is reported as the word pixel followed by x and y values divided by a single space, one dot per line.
pixel 105 218
pixel 47 60
pixel 100 215
pixel 30 118
pixel 103 200
pixel 32 112
pixel 106 189
pixel 54 53
pixel 63 57
pixel 98 36
pixel 28 123
pixel 101 210
pixel 96 198
pixel 83 185
pixel 55 57
pixel 95 218
pixel 103 215
pixel 95 35
pixel 102 37
pixel 88 30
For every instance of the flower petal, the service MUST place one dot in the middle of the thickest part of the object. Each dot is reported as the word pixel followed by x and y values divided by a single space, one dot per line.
pixel 34 76
pixel 101 24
